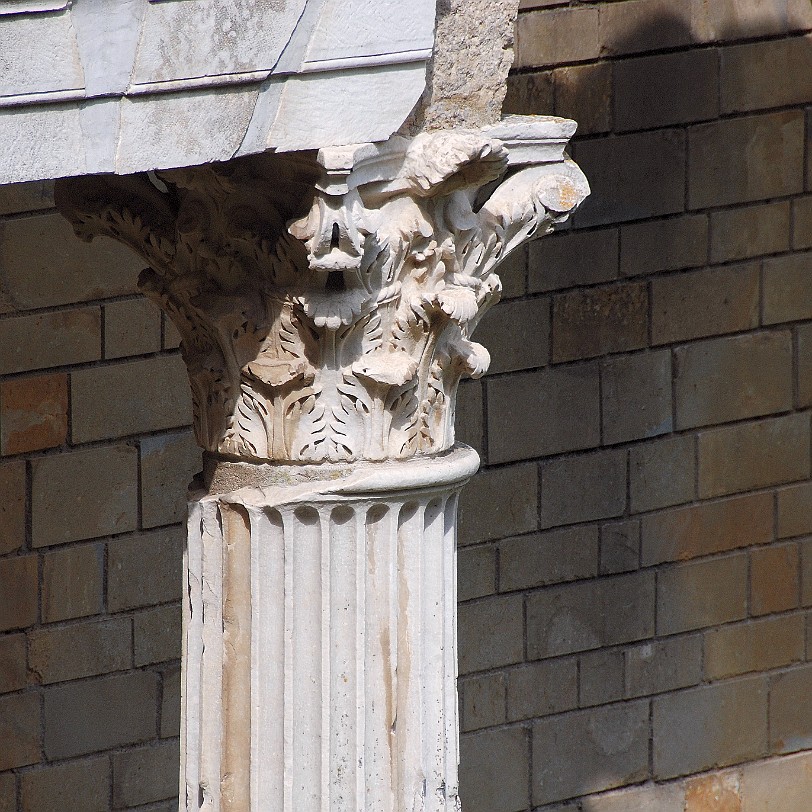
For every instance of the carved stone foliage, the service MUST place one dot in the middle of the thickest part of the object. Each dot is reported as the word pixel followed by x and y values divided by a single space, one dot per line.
pixel 326 300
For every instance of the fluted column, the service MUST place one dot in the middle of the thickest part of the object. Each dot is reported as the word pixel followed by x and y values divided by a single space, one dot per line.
pixel 326 303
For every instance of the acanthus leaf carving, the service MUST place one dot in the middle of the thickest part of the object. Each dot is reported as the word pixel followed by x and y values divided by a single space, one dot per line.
pixel 326 302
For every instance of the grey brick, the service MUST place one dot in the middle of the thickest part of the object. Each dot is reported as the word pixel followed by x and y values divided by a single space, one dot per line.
pixel 742 159
pixel 516 511
pixel 130 584
pixel 536 413
pixel 99 714
pixel 494 770
pixel 662 473
pixel 658 666
pixel 146 775
pixel 157 635
pixel 539 689
pixel 620 547
pixel 573 258
pixel 84 494
pixel 483 701
pixel 704 303
pixel 664 245
pixel 727 379
pixel 749 231
pixel 590 614
pixel 476 572
pixel 791 711
pixel 548 558
pixel 81 785
pixel 589 750
pixel 517 334
pixel 636 396
pixel 600 677
pixel 491 633
pixel 701 593
pixel 589 486
pixel 705 727
pixel 788 288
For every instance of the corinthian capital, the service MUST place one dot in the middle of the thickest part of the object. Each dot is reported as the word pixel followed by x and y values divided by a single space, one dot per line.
pixel 327 300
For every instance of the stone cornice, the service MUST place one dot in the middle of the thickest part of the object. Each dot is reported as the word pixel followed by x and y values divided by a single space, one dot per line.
pixel 327 300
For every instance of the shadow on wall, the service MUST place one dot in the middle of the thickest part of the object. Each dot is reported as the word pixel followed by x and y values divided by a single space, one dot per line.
pixel 680 293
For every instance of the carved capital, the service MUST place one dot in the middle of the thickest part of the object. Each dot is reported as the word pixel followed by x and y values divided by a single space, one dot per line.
pixel 327 300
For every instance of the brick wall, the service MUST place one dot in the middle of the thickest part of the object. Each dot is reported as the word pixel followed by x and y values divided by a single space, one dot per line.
pixel 635 604
pixel 95 451
pixel 636 555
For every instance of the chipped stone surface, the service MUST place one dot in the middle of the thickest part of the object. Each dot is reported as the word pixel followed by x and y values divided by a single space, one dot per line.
pixel 473 52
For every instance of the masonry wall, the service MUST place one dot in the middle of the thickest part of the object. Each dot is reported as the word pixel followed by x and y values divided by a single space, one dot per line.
pixel 635 603
pixel 636 555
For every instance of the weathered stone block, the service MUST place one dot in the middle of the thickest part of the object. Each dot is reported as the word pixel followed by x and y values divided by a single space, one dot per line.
pixel 663 665
pixel 170 703
pixel 33 413
pixel 72 582
pixel 742 159
pixel 19 730
pixel 100 714
pixel 636 392
pixel 597 321
pixel 83 784
pixel 80 650
pixel 804 380
pixel 795 510
pixel 704 303
pixel 145 775
pixel 707 528
pixel 632 176
pixel 537 413
pixel 774 579
pixel 129 398
pixel 620 547
pixel 548 558
pixel 758 645
pixel 749 231
pixel 529 94
pixel 482 519
pixel 758 75
pixel 701 593
pixel 662 798
pixel 589 750
pixel 469 424
pixel 557 36
pixel 517 334
pixel 705 727
pixel 50 339
pixel 666 89
pixel 13 671
pixel 168 463
pixel 157 635
pixel 802 223
pixel 491 633
pixel 664 245
pixel 787 288
pixel 733 378
pixel 578 489
pixel 753 455
pixel 8 792
pixel 661 473
pixel 84 494
pixel 584 94
pixel 539 689
pixel 483 701
pixel 587 615
pixel 573 258
pixel 638 26
pixel 777 785
pixel 12 506
pixel 28 248
pixel 494 771
pixel 19 596
pixel 131 327
pixel 476 572
pixel 130 584
pixel 791 711
pixel 600 678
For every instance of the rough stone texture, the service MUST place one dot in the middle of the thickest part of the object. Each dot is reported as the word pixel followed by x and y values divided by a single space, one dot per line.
pixel 13 507
pixel 19 730
pixel 145 775
pixel 72 582
pixel 490 633
pixel 473 51
pixel 482 701
pixel 666 665
pixel 131 327
pixel 790 711
pixel 13 673
pixel 661 473
pixel 542 688
pixel 494 770
pixel 774 579
pixel 18 598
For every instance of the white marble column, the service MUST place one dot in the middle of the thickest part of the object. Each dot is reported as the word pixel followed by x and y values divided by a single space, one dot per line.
pixel 326 303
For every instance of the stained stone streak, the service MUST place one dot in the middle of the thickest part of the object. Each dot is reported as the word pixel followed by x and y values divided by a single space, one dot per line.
pixel 330 683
